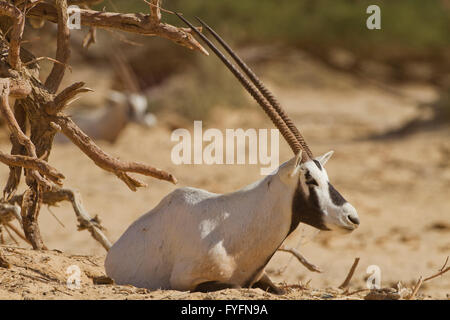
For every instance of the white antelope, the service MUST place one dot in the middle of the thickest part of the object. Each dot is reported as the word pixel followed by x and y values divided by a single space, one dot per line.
pixel 107 123
pixel 202 241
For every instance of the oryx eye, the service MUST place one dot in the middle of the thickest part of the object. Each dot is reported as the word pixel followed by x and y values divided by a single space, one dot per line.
pixel 310 180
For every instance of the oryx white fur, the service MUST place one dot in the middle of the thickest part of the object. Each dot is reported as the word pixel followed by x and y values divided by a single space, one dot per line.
pixel 108 122
pixel 197 240
pixel 194 236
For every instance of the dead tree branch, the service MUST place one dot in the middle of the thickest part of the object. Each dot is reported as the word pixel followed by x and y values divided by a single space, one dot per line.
pixel 138 23
pixel 32 163
pixel 105 161
pixel 10 119
pixel 155 10
pixel 83 2
pixel 84 219
pixel 15 172
pixel 62 49
pixel 31 205
pixel 90 38
pixel 421 280
pixel 441 272
pixel 300 258
pixel 66 97
pixel 38 109
pixel 18 133
pixel 54 196
pixel 19 89
pixel 13 12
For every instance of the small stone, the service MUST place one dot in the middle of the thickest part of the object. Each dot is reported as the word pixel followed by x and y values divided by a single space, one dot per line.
pixel 382 294
pixel 102 280
pixel 4 264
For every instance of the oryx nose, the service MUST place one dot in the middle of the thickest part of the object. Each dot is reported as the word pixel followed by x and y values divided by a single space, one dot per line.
pixel 353 219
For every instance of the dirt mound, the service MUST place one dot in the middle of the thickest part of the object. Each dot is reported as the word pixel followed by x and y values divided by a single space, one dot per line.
pixel 29 274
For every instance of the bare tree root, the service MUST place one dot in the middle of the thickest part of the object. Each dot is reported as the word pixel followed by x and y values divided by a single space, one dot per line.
pixel 31 205
pixel 84 219
pixel 51 198
pixel 15 172
pixel 39 107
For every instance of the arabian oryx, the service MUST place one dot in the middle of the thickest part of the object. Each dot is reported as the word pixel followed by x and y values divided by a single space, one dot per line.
pixel 202 241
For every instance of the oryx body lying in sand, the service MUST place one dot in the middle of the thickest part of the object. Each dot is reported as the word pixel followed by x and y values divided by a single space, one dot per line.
pixel 197 240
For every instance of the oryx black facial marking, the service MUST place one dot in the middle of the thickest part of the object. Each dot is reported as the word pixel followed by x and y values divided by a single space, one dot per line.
pixel 306 210
pixel 335 196
pixel 318 164
pixel 309 180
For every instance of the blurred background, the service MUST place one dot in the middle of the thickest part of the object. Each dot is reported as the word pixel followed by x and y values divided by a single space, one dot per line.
pixel 379 98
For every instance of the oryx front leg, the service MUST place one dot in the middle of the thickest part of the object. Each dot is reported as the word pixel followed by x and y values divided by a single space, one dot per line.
pixel 215 286
pixel 266 284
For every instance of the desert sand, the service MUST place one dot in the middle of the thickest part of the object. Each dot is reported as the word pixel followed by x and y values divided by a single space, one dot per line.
pixel 400 187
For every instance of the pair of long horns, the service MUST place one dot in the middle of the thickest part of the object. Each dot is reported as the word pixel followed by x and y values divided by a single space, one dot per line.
pixel 258 91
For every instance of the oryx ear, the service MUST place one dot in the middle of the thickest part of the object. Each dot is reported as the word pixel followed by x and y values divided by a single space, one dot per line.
pixel 290 169
pixel 324 158
pixel 297 163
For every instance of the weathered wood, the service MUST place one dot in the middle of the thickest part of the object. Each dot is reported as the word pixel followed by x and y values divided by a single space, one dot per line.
pixel 130 22
pixel 39 108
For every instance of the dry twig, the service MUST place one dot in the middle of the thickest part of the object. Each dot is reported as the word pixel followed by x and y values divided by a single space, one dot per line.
pixel 105 161
pixel 416 288
pixel 301 259
pixel 84 219
pixel 350 274
pixel 421 280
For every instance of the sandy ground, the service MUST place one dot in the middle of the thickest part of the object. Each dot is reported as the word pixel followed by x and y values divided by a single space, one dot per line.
pixel 400 188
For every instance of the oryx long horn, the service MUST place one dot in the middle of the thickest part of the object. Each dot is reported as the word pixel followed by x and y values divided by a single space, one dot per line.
pixel 261 87
pixel 262 101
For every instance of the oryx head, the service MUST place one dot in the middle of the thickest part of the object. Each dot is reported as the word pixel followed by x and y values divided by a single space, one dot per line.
pixel 315 201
